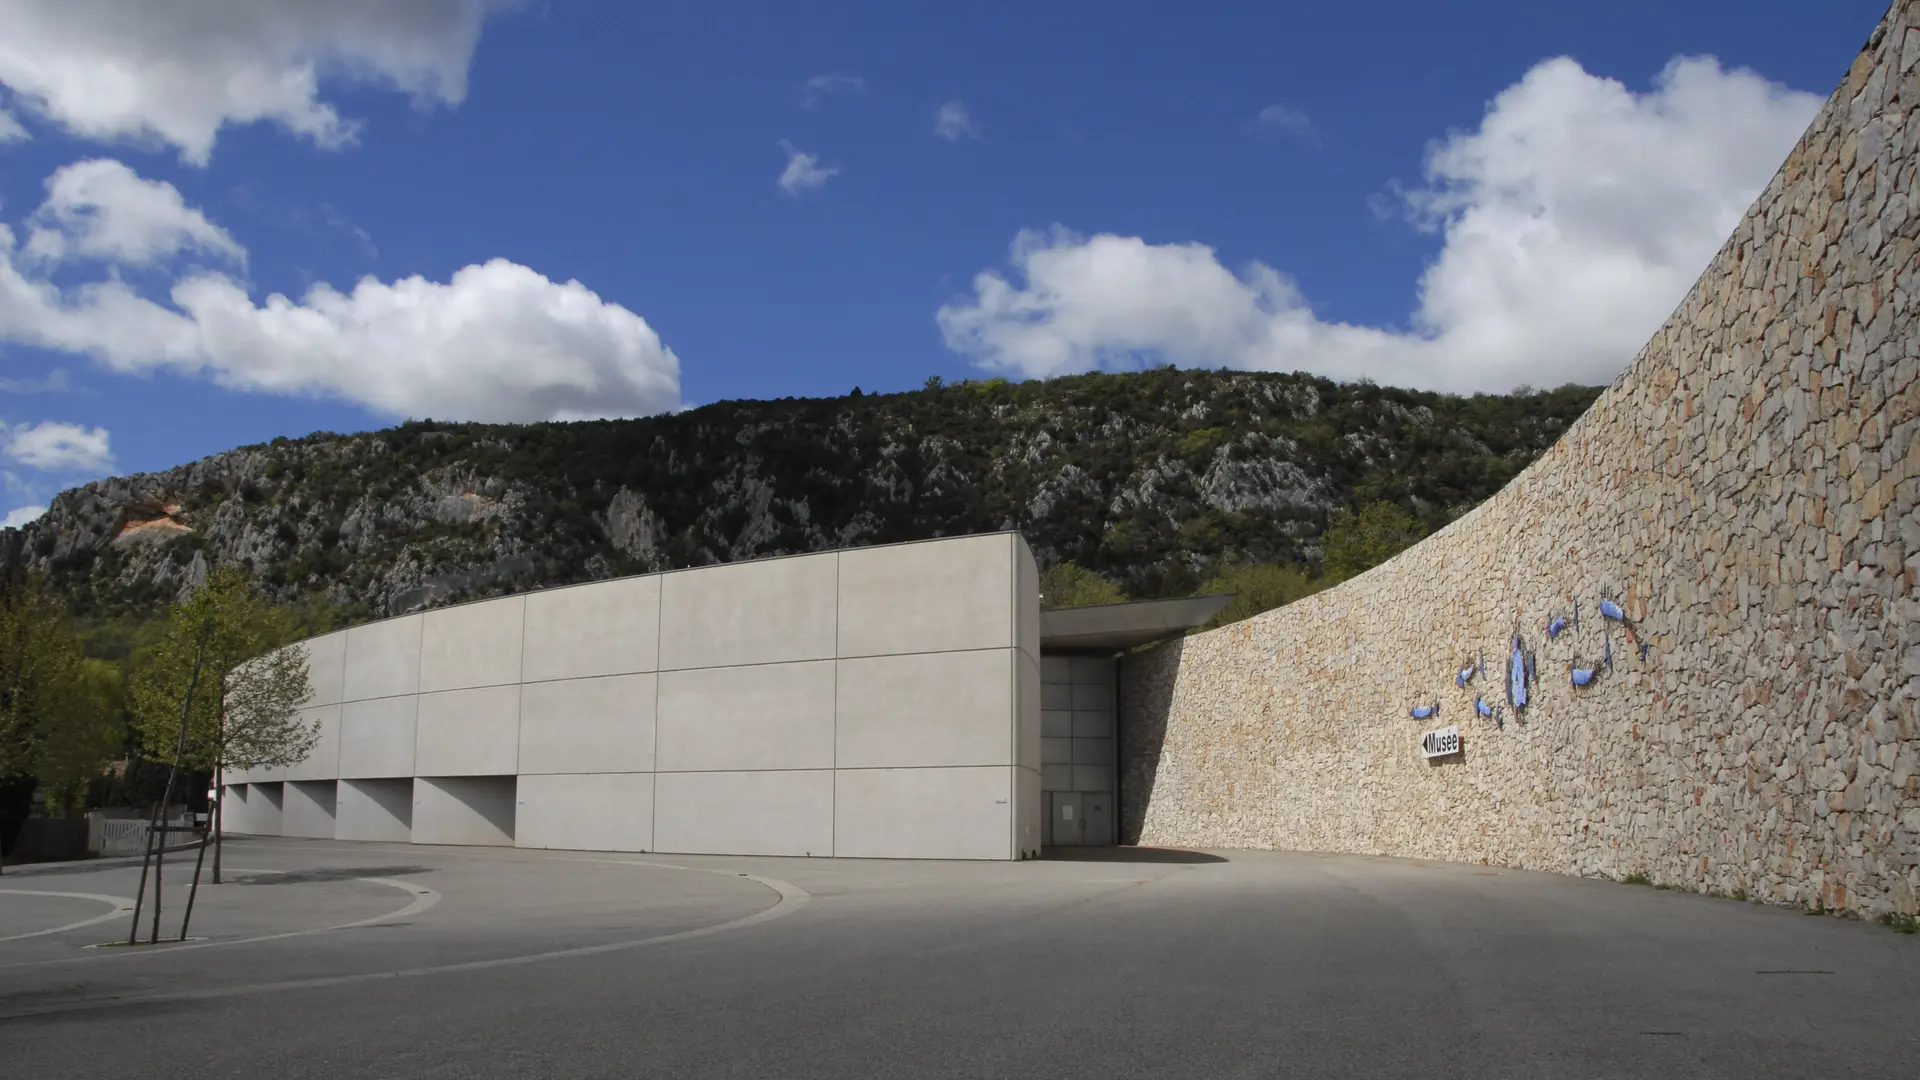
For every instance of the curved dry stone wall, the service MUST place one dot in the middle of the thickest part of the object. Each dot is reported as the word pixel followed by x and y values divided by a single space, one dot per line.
pixel 1745 498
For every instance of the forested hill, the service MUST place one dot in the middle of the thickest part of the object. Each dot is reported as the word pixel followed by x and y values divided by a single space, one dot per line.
pixel 1152 479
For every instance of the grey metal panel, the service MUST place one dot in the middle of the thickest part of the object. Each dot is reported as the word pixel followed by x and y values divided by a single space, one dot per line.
pixel 1092 696
pixel 1056 724
pixel 1056 696
pixel 1056 751
pixel 1056 669
pixel 1097 819
pixel 1065 822
pixel 1092 725
pixel 1093 670
pixel 1056 777
pixel 1093 752
pixel 1092 778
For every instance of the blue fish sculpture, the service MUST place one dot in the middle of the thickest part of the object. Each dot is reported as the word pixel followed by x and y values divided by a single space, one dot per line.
pixel 1517 676
pixel 1611 610
pixel 1425 711
pixel 1480 706
pixel 1554 627
pixel 1582 676
pixel 1465 675
pixel 1643 650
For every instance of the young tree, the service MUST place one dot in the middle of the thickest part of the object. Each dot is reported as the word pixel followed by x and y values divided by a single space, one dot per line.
pixel 1356 543
pixel 245 711
pixel 56 719
pixel 1069 584
pixel 1256 587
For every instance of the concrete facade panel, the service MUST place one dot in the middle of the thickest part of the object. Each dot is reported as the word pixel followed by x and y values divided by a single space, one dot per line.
pixel 931 597
pixel 383 658
pixel 1056 777
pixel 1029 813
pixel 606 628
pixel 468 732
pixel 308 809
pixel 1056 751
pixel 377 737
pixel 468 810
pixel 1056 697
pixel 472 645
pixel 926 709
pixel 264 802
pixel 585 812
pixel 961 813
pixel 327 668
pixel 1026 600
pixel 770 612
pixel 374 810
pixel 1027 726
pixel 587 725
pixel 770 716
pixel 511 719
pixel 234 809
pixel 1056 724
pixel 744 813
pixel 323 761
pixel 1057 670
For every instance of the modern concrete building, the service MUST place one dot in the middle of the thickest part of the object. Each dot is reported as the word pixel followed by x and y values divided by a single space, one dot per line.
pixel 904 701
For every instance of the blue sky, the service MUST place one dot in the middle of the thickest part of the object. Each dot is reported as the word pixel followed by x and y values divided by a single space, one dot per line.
pixel 562 209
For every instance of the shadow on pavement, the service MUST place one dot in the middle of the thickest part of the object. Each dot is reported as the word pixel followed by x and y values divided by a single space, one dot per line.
pixel 1127 854
pixel 345 873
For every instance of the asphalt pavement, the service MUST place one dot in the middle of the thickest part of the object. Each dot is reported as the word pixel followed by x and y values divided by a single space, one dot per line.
pixel 324 959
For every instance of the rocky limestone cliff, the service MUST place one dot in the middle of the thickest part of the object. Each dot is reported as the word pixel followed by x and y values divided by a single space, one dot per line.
pixel 1151 478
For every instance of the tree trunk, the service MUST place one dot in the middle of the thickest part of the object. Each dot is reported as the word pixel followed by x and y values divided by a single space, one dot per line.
pixel 173 774
pixel 219 813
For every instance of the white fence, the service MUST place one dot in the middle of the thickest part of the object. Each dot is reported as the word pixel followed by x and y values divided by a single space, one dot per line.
pixel 128 836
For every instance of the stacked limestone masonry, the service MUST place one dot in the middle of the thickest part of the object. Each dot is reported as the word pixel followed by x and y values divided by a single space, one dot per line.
pixel 1747 489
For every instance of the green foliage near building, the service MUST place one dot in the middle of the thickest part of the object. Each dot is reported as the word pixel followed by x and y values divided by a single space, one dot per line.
pixel 59 717
pixel 1069 584
pixel 1357 542
pixel 1257 587
pixel 220 663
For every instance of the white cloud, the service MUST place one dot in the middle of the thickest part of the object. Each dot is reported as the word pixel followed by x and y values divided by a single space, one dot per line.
pixel 10 129
pixel 953 122
pixel 821 87
pixel 101 209
pixel 176 72
pixel 496 342
pixel 56 446
pixel 1574 220
pixel 21 515
pixel 804 171
pixel 1285 120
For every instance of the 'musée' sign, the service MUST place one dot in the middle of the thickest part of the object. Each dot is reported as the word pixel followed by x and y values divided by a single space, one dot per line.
pixel 1440 742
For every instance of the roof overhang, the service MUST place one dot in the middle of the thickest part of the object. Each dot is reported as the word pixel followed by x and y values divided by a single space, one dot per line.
pixel 1110 628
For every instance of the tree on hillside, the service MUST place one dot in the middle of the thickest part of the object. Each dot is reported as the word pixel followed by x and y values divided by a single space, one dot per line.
pixel 221 674
pixel 56 720
pixel 1256 587
pixel 1069 584
pixel 1355 543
